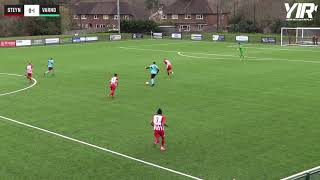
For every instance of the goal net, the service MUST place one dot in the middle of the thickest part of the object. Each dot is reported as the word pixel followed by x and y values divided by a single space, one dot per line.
pixel 300 36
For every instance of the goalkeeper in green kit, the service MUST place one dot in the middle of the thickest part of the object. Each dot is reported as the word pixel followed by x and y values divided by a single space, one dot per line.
pixel 241 52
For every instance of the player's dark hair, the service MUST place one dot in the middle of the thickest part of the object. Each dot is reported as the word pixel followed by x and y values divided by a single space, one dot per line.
pixel 154 62
pixel 115 74
pixel 159 111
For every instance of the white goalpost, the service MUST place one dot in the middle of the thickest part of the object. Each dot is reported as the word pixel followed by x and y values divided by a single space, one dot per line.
pixel 300 36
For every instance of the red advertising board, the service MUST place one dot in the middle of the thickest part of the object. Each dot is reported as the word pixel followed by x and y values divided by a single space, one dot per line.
pixel 8 43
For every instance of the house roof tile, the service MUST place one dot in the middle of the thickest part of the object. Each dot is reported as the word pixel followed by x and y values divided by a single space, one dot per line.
pixel 188 7
pixel 109 8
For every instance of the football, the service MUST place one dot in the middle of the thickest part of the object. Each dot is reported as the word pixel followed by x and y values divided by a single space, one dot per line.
pixel 147 83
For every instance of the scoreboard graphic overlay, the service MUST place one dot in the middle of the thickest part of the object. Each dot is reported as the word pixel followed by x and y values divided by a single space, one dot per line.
pixel 32 10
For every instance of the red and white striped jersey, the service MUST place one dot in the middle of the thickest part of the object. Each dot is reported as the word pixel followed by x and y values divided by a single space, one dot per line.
pixel 167 62
pixel 29 69
pixel 114 80
pixel 158 122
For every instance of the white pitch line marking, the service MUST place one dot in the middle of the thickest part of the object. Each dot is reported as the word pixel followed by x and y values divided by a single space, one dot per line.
pixel 253 59
pixel 164 44
pixel 198 57
pixel 276 49
pixel 141 49
pixel 159 50
pixel 23 89
pixel 223 55
pixel 82 142
pixel 100 148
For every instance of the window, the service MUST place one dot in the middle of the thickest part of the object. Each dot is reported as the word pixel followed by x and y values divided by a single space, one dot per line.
pixel 184 28
pixel 113 26
pixel 187 16
pixel 175 16
pixel 200 27
pixel 102 25
pixel 75 17
pixel 95 17
pixel 105 17
pixel 83 17
pixel 97 25
pixel 116 17
pixel 126 17
pixel 199 16
pixel 164 16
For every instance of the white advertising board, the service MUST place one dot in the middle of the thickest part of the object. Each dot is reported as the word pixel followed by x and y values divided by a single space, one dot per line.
pixel 176 36
pixel 95 38
pixel 157 35
pixel 52 41
pixel 23 42
pixel 242 38
pixel 115 37
pixel 197 37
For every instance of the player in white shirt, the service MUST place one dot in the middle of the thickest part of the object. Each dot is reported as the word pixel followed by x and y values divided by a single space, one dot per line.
pixel 29 72
pixel 169 66
pixel 158 122
pixel 113 84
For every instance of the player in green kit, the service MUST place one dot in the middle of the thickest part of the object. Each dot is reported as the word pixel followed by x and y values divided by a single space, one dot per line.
pixel 50 67
pixel 154 70
pixel 241 52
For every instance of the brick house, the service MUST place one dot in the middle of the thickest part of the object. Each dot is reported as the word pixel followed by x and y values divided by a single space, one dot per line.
pixel 100 15
pixel 194 16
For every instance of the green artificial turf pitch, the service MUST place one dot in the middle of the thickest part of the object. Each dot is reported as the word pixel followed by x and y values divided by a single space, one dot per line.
pixel 249 120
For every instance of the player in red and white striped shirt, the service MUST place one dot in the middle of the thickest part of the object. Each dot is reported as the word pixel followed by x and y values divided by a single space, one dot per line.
pixel 159 122
pixel 29 71
pixel 113 84
pixel 169 66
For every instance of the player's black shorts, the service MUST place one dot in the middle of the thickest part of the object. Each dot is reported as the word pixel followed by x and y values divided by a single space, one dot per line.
pixel 50 68
pixel 153 76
